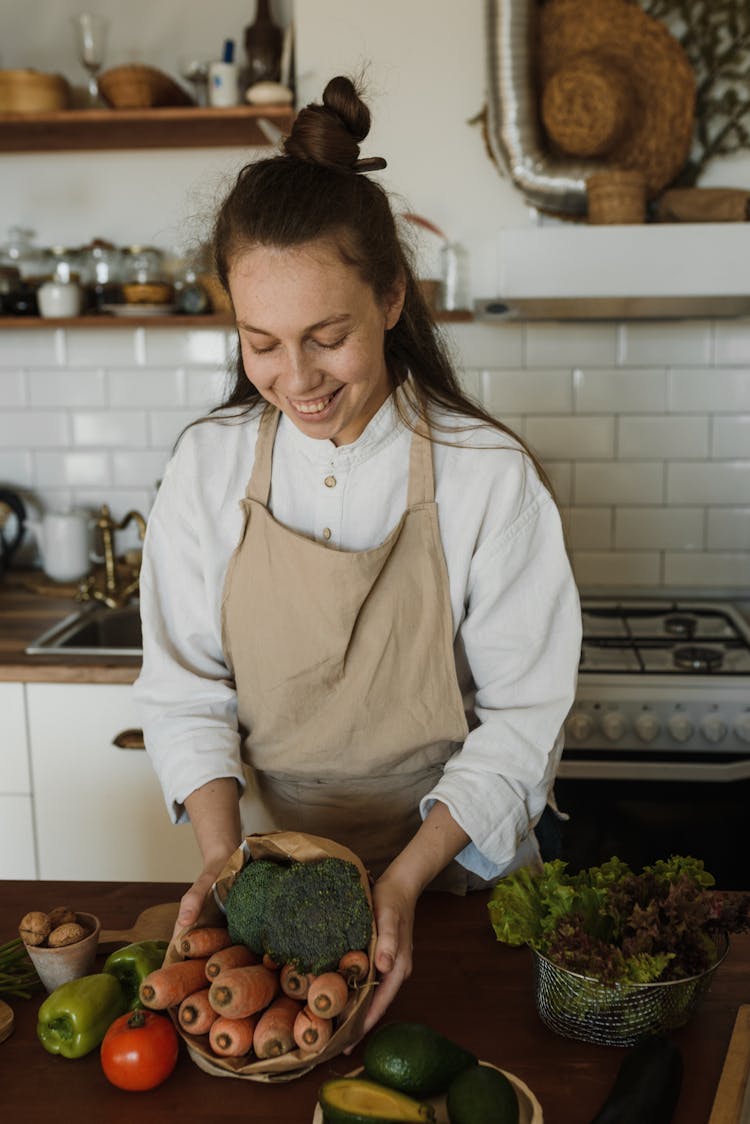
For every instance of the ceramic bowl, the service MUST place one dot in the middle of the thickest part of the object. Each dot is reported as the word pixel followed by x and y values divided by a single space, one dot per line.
pixel 56 966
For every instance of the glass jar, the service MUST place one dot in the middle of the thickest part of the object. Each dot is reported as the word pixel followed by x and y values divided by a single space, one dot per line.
pixel 101 274
pixel 33 262
pixel 65 264
pixel 142 265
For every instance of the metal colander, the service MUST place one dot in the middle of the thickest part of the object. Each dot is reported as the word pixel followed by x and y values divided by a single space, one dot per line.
pixel 578 1006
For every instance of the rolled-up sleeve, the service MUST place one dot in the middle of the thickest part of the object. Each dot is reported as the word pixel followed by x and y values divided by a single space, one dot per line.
pixel 185 694
pixel 520 637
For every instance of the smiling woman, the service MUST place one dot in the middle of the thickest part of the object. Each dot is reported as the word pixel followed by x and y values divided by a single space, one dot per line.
pixel 355 592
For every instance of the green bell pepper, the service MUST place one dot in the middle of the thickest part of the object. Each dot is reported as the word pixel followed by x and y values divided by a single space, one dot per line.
pixel 73 1020
pixel 132 963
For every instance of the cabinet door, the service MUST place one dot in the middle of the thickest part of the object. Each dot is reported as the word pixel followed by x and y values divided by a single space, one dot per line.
pixel 100 814
pixel 17 849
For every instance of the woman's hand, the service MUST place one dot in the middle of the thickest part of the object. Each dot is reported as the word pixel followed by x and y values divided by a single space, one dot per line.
pixel 192 901
pixel 394 906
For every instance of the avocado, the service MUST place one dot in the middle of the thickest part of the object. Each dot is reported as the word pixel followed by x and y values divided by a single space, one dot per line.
pixel 482 1095
pixel 414 1059
pixel 347 1100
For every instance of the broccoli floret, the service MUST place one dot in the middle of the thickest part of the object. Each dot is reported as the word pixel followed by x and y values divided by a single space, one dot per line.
pixel 316 912
pixel 247 902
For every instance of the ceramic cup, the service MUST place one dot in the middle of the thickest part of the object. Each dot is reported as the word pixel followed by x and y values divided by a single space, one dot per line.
pixel 56 966
pixel 59 298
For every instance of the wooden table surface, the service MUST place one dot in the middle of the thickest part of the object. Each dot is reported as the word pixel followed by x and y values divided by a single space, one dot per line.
pixel 464 984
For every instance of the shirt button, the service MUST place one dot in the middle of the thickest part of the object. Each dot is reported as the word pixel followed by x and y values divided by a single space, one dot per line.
pixel 330 481
pixel 326 533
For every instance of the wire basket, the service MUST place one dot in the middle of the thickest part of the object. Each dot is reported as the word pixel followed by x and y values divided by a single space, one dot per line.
pixel 578 1006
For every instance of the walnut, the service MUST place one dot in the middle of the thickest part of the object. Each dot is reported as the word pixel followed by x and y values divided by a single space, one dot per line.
pixel 34 928
pixel 66 934
pixel 61 915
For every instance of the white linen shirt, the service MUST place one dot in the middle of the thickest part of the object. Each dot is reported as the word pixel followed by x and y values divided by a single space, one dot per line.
pixel 515 607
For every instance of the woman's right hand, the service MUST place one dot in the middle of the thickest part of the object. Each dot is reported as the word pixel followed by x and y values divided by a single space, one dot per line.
pixel 191 902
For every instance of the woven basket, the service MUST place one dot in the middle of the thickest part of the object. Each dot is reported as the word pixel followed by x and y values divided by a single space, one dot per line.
pixel 580 1007
pixel 140 87
pixel 644 79
pixel 616 197
pixel 587 107
pixel 30 91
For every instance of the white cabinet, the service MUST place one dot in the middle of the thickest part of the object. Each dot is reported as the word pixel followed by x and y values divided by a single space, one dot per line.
pixel 99 809
pixel 17 850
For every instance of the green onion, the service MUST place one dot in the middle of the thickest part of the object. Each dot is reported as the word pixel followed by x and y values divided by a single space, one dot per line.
pixel 17 974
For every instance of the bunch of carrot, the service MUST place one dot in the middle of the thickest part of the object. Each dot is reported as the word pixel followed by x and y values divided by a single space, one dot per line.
pixel 248 1004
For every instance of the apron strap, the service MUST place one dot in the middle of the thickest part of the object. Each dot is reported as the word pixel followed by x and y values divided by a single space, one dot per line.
pixel 259 484
pixel 421 474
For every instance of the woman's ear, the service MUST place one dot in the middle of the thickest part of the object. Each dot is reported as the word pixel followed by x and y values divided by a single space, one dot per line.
pixel 394 302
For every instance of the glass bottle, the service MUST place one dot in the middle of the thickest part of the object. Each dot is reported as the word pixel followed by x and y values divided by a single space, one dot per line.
pixel 263 40
pixel 454 277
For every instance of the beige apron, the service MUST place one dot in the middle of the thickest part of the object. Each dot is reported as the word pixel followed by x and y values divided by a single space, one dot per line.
pixel 348 700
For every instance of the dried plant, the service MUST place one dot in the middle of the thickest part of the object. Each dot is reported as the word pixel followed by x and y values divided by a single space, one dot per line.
pixel 716 37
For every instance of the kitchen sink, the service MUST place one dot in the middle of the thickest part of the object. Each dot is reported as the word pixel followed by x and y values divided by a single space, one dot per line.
pixel 94 631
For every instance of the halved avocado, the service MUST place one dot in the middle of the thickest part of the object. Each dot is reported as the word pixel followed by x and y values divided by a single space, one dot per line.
pixel 351 1100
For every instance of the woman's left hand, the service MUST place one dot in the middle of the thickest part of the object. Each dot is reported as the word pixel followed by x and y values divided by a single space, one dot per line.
pixel 394 906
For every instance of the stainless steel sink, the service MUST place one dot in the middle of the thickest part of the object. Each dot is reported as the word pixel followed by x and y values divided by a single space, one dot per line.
pixel 94 631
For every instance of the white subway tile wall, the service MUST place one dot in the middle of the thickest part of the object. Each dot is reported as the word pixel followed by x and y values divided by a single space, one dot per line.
pixel 643 428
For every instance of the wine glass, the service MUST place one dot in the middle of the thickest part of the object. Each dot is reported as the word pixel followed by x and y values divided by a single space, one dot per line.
pixel 195 71
pixel 90 32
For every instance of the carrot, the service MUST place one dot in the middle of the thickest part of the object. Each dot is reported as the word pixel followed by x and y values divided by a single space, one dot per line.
pixel 239 992
pixel 196 1014
pixel 294 983
pixel 233 956
pixel 274 1033
pixel 169 985
pixel 204 941
pixel 231 1038
pixel 327 995
pixel 310 1031
pixel 354 966
pixel 269 962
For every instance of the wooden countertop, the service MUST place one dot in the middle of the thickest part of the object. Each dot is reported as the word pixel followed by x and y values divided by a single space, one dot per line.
pixel 464 984
pixel 25 613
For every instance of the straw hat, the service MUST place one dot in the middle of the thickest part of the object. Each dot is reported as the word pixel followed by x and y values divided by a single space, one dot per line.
pixel 617 86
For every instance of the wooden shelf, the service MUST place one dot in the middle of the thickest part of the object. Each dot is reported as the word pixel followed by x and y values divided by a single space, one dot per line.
pixel 207 320
pixel 99 129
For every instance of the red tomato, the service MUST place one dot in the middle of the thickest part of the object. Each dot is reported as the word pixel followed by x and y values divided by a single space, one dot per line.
pixel 139 1050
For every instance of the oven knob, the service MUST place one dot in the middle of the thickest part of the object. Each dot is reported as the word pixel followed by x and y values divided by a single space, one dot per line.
pixel 614 725
pixel 580 725
pixel 680 727
pixel 647 727
pixel 742 727
pixel 713 728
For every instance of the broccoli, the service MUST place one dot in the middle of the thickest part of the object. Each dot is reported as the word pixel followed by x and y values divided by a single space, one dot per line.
pixel 307 914
pixel 246 902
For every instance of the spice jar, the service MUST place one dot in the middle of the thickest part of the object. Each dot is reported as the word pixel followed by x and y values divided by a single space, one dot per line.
pixel 143 276
pixel 101 274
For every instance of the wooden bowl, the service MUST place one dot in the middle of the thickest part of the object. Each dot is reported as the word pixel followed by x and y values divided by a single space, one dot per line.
pixel 31 91
pixel 140 87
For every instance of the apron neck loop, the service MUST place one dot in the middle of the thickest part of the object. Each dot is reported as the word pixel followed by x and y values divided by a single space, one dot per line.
pixel 421 475
pixel 259 484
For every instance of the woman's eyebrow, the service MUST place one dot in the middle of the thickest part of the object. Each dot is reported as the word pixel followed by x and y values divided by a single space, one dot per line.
pixel 328 322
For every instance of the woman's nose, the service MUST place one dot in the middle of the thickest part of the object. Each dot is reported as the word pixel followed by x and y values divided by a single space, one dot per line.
pixel 301 372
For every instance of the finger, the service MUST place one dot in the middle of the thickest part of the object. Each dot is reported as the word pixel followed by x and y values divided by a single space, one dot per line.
pixel 386 948
pixel 385 993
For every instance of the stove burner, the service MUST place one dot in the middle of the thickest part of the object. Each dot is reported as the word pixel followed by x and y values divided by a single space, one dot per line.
pixel 680 626
pixel 694 658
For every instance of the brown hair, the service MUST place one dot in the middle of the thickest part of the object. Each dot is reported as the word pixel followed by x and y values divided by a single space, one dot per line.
pixel 313 191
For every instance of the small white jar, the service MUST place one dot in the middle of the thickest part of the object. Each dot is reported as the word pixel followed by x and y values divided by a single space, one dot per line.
pixel 59 298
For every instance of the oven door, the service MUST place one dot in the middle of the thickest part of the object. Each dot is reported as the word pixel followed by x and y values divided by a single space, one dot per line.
pixel 643 808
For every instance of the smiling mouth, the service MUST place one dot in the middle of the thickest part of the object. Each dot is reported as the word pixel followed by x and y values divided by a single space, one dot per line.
pixel 316 405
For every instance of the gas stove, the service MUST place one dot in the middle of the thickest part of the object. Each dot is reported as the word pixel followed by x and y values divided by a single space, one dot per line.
pixel 661 681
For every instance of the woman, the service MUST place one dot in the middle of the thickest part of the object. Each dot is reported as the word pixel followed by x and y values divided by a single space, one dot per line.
pixel 354 579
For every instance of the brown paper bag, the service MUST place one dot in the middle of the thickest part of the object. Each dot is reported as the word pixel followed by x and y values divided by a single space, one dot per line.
pixel 281 846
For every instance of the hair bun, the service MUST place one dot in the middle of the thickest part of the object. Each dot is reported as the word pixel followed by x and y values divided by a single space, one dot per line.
pixel 330 134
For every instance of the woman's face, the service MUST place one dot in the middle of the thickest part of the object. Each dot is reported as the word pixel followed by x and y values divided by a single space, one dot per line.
pixel 311 333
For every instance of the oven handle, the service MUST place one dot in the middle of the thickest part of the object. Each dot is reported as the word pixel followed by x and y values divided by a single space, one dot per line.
pixel 655 770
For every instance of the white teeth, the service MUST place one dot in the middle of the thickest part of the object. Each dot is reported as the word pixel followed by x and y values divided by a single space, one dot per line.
pixel 312 407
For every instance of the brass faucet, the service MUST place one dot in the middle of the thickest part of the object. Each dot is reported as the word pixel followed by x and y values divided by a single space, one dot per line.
pixel 120 577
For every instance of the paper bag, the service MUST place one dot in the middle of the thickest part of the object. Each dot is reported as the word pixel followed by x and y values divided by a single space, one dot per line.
pixel 281 846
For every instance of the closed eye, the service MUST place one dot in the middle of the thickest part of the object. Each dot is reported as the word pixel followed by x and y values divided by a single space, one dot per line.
pixel 331 346
pixel 261 350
